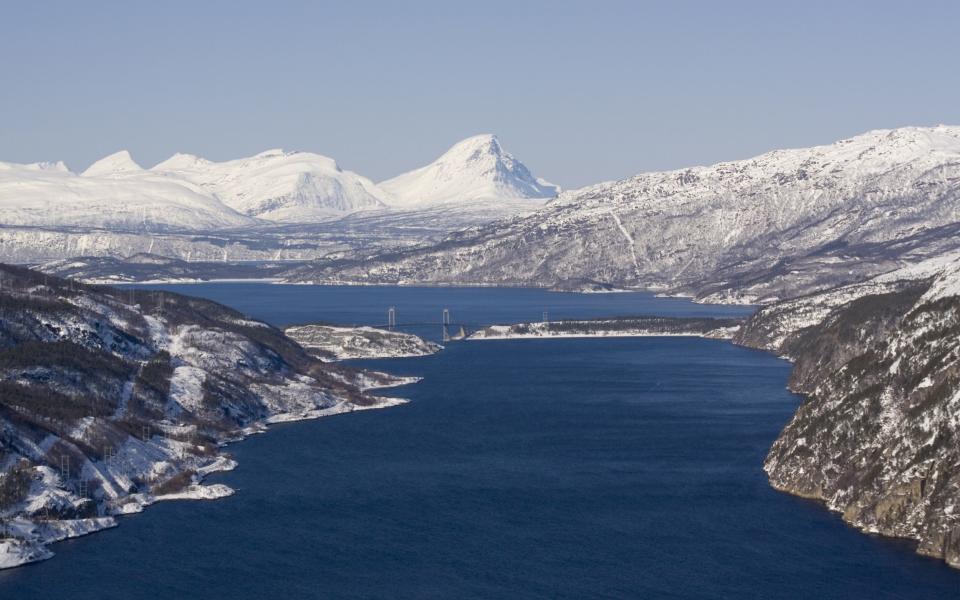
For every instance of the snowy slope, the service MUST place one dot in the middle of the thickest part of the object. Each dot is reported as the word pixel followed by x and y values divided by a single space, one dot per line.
pixel 883 198
pixel 289 187
pixel 113 193
pixel 476 169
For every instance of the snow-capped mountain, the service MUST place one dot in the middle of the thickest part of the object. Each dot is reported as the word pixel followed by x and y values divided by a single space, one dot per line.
pixel 476 169
pixel 276 205
pixel 118 163
pixel 821 215
pixel 288 187
pixel 113 193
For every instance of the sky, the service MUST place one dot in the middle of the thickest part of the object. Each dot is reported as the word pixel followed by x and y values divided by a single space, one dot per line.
pixel 580 92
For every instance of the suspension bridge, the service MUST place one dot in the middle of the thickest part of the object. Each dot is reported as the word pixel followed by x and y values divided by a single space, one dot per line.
pixel 450 329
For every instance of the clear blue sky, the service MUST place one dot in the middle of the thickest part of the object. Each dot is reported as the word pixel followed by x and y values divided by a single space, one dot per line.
pixel 579 91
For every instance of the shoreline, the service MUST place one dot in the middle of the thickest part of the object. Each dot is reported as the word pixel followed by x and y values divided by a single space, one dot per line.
pixel 916 543
pixel 38 536
pixel 618 327
pixel 637 334
pixel 198 491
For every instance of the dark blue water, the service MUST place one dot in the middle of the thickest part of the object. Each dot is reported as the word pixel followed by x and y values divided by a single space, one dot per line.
pixel 296 304
pixel 579 468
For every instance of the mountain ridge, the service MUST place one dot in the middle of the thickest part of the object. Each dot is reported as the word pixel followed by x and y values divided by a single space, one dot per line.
pixel 680 231
pixel 279 186
pixel 188 193
pixel 114 193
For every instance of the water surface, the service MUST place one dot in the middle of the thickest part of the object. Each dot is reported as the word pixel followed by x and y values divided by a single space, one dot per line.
pixel 579 468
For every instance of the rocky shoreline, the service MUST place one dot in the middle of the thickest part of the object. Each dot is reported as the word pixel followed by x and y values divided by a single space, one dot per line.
pixel 112 400
pixel 876 437
pixel 878 363
pixel 342 343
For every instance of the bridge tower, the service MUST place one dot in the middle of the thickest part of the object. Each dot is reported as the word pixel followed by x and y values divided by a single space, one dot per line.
pixel 391 318
pixel 446 325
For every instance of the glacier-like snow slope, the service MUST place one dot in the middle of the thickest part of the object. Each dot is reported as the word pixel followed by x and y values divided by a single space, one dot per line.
pixel 884 198
pixel 113 193
pixel 288 187
pixel 475 170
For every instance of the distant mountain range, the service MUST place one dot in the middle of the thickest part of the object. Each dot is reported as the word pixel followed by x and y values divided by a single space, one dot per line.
pixel 278 186
pixel 186 192
pixel 276 205
pixel 778 225
pixel 113 194
pixel 781 224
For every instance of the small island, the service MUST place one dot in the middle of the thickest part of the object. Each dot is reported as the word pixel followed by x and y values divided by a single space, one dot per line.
pixel 341 343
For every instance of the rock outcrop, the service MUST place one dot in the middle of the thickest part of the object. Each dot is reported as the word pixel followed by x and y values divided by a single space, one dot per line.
pixel 877 438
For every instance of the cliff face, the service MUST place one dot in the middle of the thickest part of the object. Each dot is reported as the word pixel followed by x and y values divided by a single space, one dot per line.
pixel 878 436
pixel 113 399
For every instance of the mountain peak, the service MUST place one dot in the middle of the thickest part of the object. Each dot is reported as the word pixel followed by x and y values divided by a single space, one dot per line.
pixel 181 160
pixel 484 142
pixel 114 164
pixel 474 149
pixel 476 168
pixel 272 153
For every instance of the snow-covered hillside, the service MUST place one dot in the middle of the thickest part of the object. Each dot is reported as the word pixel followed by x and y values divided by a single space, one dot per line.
pixel 875 439
pixel 289 187
pixel 111 400
pixel 475 170
pixel 113 194
pixel 744 231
